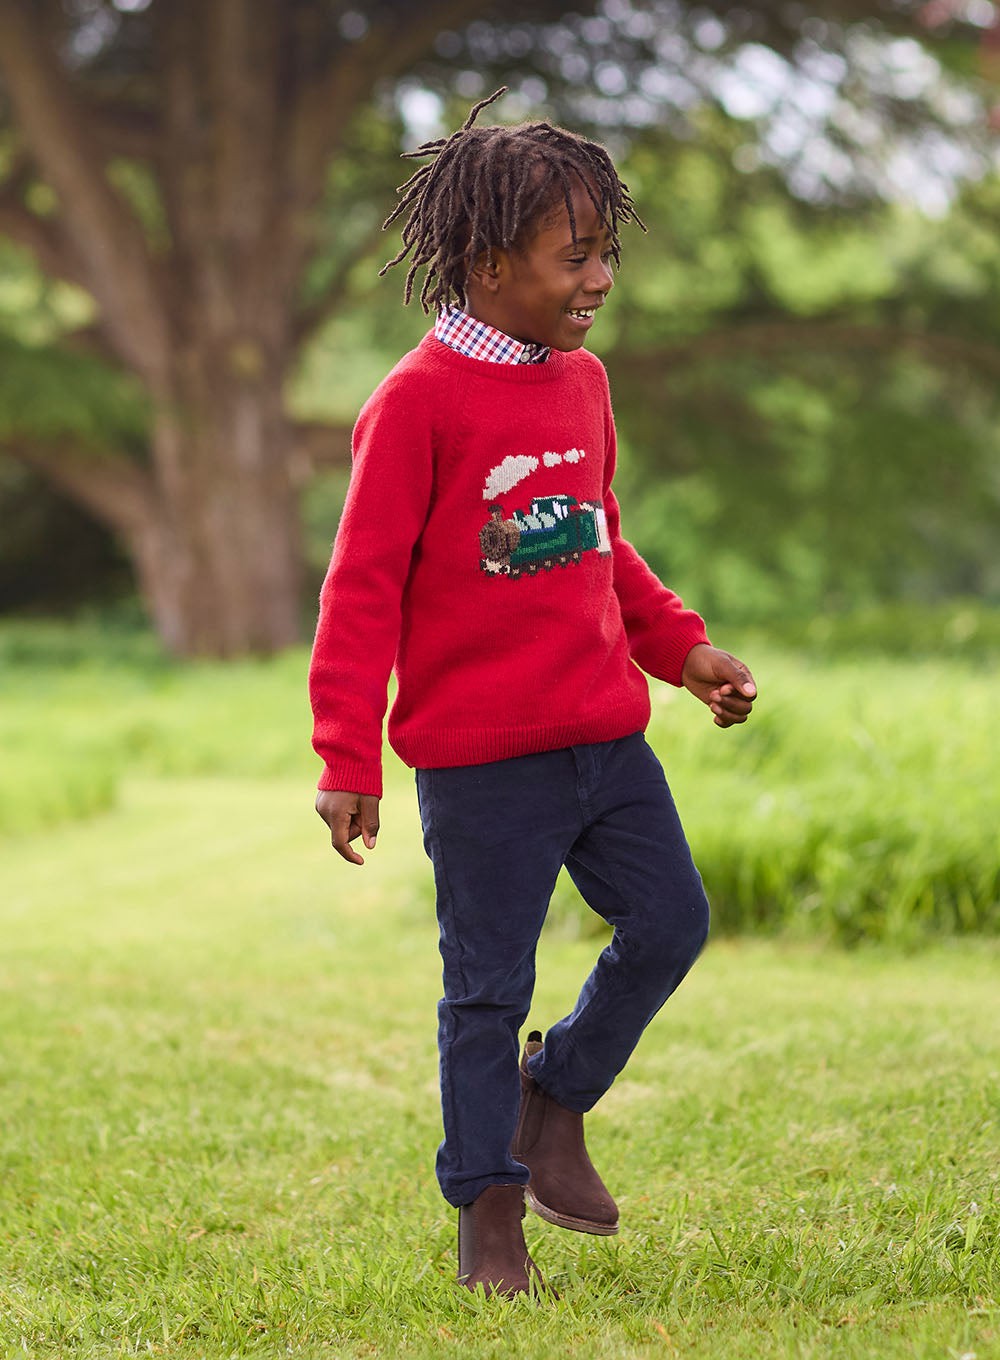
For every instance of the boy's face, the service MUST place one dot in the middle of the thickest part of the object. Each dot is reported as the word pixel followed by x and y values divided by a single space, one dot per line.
pixel 547 291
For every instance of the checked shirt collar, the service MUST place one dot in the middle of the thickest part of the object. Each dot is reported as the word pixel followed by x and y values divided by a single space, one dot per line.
pixel 476 340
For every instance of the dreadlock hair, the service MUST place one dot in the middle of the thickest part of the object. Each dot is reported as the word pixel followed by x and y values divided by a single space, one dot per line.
pixel 486 187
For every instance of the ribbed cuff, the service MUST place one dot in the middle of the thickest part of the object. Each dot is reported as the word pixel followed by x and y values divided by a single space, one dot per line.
pixel 670 662
pixel 351 776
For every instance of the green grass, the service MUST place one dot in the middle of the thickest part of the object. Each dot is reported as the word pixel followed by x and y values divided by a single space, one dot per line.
pixel 860 802
pixel 220 1113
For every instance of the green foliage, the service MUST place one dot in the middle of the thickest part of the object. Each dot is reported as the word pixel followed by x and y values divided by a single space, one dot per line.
pixel 33 308
pixel 47 393
pixel 810 416
pixel 961 630
pixel 789 473
pixel 775 472
pixel 47 389
pixel 53 555
pixel 819 491
pixel 817 478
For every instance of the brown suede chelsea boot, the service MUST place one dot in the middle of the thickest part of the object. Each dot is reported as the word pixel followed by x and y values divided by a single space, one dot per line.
pixel 564 1188
pixel 491 1247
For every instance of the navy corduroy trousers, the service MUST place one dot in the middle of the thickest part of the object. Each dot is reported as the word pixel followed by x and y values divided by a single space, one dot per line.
pixel 497 835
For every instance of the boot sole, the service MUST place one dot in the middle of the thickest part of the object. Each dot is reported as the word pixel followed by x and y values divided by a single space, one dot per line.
pixel 582 1225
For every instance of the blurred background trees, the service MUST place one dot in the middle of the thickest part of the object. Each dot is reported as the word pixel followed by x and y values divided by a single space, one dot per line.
pixel 805 349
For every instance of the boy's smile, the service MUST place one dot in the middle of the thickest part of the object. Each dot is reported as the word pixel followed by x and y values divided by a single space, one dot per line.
pixel 547 291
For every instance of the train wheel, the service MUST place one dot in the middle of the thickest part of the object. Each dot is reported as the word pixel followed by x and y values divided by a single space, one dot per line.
pixel 532 568
pixel 563 560
pixel 548 564
pixel 576 556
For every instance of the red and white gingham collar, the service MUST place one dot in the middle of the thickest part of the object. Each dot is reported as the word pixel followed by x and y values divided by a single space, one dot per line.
pixel 477 340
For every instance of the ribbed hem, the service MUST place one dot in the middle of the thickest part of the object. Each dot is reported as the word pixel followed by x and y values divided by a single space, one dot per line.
pixel 427 748
pixel 351 776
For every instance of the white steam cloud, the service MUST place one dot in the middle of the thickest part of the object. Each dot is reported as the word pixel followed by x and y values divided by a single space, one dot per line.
pixel 516 466
pixel 506 475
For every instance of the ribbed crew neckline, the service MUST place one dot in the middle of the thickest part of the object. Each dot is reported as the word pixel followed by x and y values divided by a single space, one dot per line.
pixel 523 374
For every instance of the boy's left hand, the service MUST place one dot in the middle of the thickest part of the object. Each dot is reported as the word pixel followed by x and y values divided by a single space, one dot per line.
pixel 719 680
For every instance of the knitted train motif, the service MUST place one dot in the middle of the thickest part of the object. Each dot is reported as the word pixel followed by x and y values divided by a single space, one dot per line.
pixel 556 531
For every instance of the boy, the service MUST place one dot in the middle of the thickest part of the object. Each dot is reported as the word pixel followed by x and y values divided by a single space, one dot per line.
pixel 480 551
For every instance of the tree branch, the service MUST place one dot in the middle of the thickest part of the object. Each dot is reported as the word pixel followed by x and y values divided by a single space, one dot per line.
pixel 131 132
pixel 40 235
pixel 89 340
pixel 103 232
pixel 221 161
pixel 323 108
pixel 185 168
pixel 118 492
pixel 242 43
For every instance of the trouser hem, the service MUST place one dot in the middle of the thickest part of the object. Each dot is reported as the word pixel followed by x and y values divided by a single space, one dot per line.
pixel 468 1191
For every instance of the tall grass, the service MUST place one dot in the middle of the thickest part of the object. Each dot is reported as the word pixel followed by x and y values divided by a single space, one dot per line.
pixel 81 709
pixel 860 802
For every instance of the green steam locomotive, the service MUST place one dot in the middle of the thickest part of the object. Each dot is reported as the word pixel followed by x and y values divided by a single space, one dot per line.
pixel 556 531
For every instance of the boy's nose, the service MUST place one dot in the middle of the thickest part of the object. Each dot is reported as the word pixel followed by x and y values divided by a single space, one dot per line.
pixel 601 280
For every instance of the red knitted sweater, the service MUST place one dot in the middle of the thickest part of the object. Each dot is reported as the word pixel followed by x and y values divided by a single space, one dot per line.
pixel 479 550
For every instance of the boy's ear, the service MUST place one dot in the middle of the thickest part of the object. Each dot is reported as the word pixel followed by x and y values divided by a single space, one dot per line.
pixel 487 269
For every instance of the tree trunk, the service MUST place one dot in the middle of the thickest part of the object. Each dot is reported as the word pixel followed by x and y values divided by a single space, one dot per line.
pixel 219 559
pixel 250 101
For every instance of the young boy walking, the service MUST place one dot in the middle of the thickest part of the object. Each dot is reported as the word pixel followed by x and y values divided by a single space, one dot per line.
pixel 480 554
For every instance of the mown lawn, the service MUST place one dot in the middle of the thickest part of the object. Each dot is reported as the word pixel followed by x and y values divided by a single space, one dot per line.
pixel 219 1117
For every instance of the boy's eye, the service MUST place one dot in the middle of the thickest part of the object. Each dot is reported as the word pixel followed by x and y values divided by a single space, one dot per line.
pixel 606 255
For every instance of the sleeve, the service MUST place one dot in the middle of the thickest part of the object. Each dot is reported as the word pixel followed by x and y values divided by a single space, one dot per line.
pixel 659 629
pixel 361 600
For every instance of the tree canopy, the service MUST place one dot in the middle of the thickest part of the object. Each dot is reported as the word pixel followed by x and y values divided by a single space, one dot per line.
pixel 199 181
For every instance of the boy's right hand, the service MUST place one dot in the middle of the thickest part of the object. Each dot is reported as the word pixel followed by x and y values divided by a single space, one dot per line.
pixel 349 815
